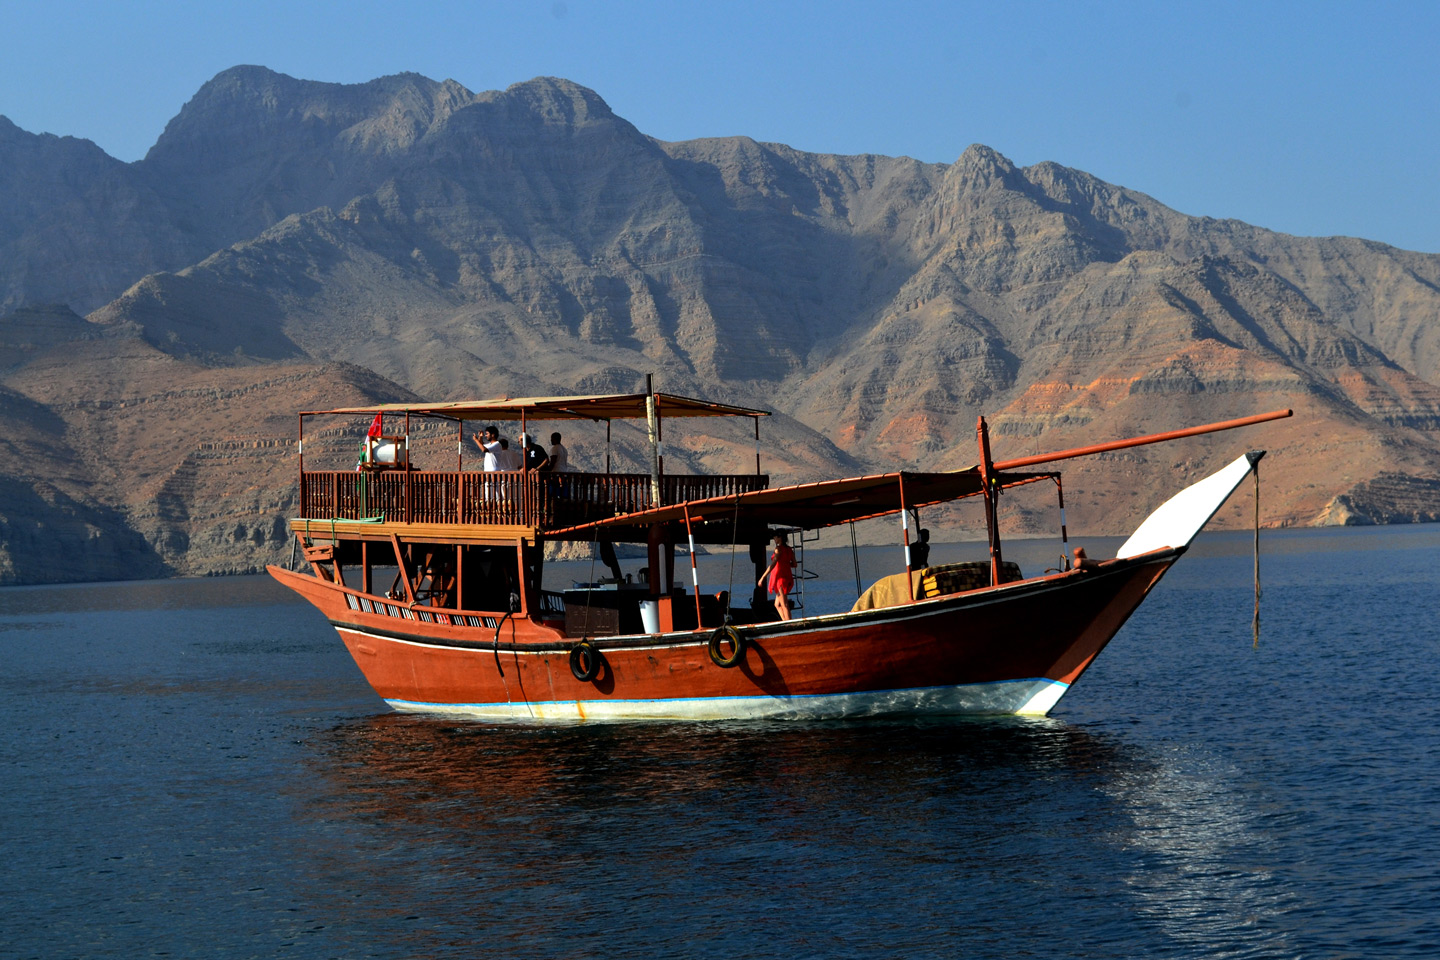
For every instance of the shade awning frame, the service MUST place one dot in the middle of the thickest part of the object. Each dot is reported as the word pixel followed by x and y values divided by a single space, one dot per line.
pixel 598 407
pixel 812 506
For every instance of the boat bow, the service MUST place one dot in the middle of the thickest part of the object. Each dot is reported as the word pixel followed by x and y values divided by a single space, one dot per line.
pixel 1184 515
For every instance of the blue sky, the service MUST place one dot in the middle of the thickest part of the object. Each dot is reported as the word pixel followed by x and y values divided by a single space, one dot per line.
pixel 1310 118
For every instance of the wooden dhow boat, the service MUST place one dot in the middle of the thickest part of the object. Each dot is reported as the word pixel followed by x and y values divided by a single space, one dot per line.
pixel 434 582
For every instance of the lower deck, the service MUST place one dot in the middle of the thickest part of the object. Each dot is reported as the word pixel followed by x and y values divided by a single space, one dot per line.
pixel 475 576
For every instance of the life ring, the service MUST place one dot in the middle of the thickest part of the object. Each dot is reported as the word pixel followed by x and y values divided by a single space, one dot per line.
pixel 737 641
pixel 584 661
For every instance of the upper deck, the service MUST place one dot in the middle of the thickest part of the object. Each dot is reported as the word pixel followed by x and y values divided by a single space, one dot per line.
pixel 544 501
pixel 387 486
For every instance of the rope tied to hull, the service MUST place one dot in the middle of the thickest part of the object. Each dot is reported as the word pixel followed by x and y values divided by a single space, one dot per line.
pixel 1255 624
pixel 734 538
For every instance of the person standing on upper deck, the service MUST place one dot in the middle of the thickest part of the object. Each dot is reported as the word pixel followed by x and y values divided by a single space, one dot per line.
pixel 559 456
pixel 535 456
pixel 509 459
pixel 489 441
pixel 781 572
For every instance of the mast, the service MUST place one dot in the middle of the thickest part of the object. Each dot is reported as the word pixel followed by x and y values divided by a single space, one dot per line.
pixel 992 494
pixel 652 428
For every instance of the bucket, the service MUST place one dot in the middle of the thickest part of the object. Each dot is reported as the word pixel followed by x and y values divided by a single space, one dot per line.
pixel 650 615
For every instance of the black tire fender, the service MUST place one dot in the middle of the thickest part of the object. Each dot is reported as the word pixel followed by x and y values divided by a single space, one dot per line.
pixel 737 643
pixel 584 661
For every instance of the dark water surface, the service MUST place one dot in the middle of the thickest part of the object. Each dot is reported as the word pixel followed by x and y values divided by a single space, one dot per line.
pixel 196 769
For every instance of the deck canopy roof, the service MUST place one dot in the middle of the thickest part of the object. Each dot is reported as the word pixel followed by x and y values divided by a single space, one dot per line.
pixel 629 406
pixel 812 505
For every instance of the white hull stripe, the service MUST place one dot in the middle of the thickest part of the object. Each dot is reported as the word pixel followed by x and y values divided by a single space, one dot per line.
pixel 507 649
pixel 1027 697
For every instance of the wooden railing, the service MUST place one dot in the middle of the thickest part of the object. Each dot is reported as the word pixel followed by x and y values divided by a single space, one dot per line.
pixel 544 500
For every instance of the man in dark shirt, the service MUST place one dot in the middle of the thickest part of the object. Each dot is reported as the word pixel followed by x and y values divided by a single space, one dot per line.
pixel 535 456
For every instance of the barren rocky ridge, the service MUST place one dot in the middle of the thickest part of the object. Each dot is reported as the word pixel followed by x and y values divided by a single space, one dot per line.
pixel 291 245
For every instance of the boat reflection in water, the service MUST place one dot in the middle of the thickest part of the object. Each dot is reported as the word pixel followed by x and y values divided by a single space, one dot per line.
pixel 536 835
pixel 408 768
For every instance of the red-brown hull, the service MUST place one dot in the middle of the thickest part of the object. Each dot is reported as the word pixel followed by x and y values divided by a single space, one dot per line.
pixel 1009 649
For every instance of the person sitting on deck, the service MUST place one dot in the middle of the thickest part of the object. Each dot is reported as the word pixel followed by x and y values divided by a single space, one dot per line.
pixel 608 557
pixel 920 551
pixel 782 575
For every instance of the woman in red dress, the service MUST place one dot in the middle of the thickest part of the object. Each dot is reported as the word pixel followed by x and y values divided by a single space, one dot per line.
pixel 782 577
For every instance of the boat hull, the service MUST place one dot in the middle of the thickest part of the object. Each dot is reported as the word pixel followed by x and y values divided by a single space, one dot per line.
pixel 1012 649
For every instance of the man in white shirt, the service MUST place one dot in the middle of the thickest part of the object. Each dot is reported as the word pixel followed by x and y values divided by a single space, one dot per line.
pixel 559 457
pixel 509 459
pixel 489 441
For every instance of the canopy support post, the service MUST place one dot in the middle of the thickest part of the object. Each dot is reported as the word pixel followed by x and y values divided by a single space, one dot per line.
pixel 652 428
pixel 905 536
pixel 652 558
pixel 694 574
pixel 757 445
pixel 300 450
pixel 659 438
pixel 404 573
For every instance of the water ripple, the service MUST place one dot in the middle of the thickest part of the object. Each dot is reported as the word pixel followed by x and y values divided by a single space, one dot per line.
pixel 197 769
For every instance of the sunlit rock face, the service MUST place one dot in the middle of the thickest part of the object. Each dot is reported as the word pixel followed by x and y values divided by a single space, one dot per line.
pixel 290 245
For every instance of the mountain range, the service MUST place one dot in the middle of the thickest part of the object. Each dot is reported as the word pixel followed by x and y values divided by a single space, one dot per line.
pixel 291 245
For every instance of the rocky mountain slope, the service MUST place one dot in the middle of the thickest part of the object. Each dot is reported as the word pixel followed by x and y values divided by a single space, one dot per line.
pixel 293 245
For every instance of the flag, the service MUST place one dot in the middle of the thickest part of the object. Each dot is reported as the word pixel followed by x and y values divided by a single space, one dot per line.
pixel 375 428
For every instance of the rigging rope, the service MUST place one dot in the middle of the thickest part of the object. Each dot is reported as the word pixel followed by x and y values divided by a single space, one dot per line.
pixel 734 534
pixel 1255 626
pixel 855 555
pixel 590 584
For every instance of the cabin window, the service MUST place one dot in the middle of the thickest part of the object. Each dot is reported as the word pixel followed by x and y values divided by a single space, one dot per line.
pixel 444 576
pixel 434 573
pixel 489 576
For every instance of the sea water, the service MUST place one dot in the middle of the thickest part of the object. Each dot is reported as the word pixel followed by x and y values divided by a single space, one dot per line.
pixel 196 769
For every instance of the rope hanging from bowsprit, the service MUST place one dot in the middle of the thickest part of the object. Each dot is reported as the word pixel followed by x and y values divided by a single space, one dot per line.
pixel 1255 626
